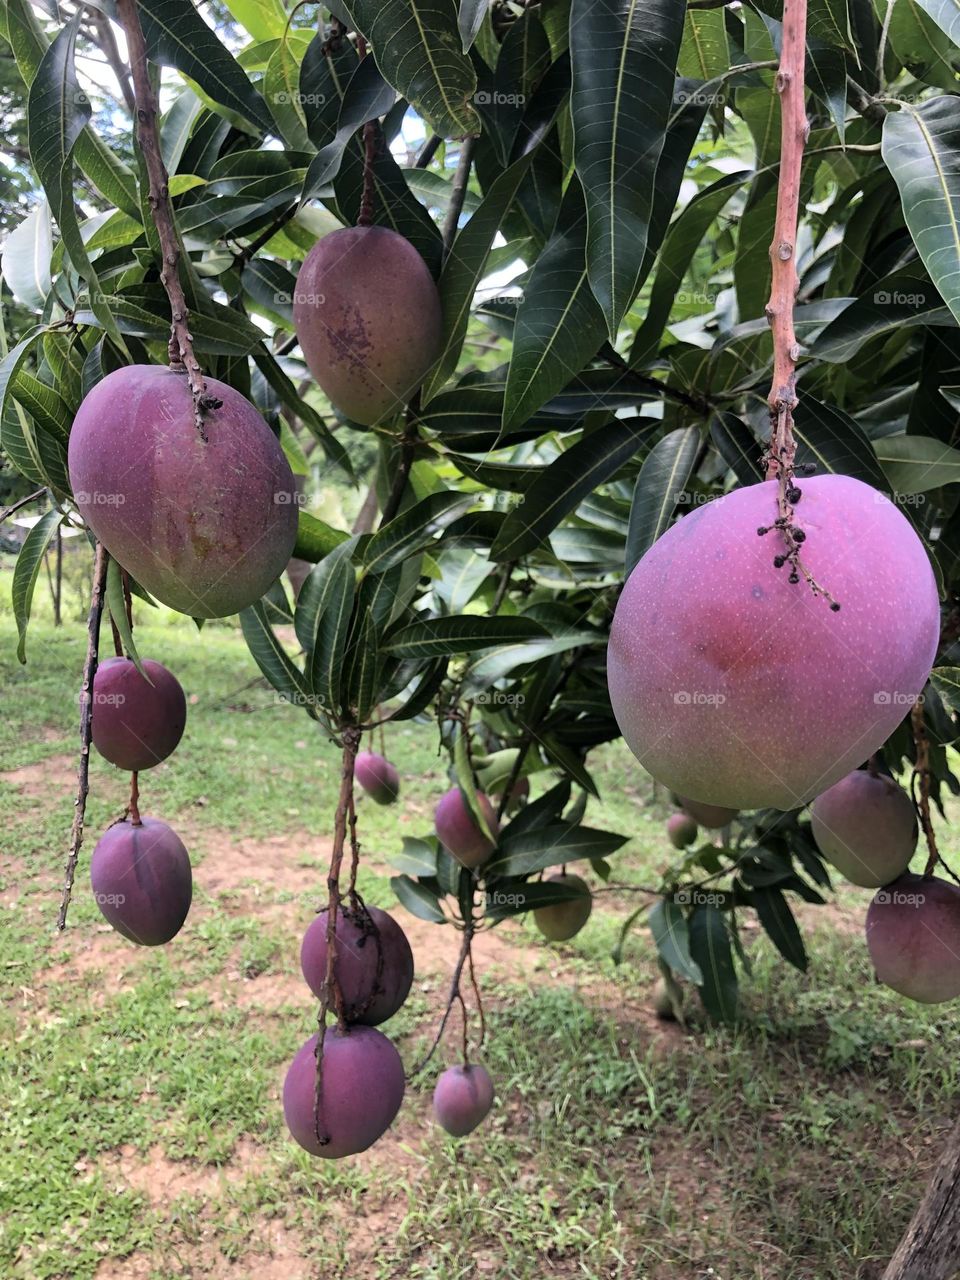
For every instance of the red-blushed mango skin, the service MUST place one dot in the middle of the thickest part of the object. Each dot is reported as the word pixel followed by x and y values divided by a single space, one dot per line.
pixel 866 827
pixel 711 816
pixel 459 834
pixel 369 997
pixel 137 723
pixel 563 920
pixel 369 320
pixel 735 687
pixel 377 776
pixel 681 830
pixel 205 527
pixel 142 881
pixel 363 1087
pixel 913 936
pixel 462 1098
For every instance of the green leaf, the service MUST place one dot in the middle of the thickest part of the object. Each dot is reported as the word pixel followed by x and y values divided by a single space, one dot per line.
pixel 272 659
pixel 921 147
pixel 710 949
pixel 704 51
pixel 43 404
pixel 463 269
pixel 417 46
pixel 105 170
pixel 559 325
pixel 668 925
pixel 501 661
pixel 469 19
pixel 118 612
pixel 834 442
pixel 623 57
pixel 663 478
pixel 314 538
pixel 463 769
pixel 570 478
pixel 916 464
pixel 281 89
pixel 899 300
pixel 177 36
pixel 57 113
pixel 418 858
pixel 418 899
pixel 737 445
pixel 264 19
pixel 413 530
pixel 322 621
pixel 25 573
pixel 946 681
pixel 680 244
pixel 27 251
pixel 526 852
pixel 946 14
pixel 775 915
pixel 514 897
pixel 442 636
pixel 367 96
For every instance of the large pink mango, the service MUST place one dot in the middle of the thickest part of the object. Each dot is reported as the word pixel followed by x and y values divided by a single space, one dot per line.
pixel 362 1089
pixel 462 1098
pixel 457 831
pixel 734 686
pixel 368 317
pixel 206 526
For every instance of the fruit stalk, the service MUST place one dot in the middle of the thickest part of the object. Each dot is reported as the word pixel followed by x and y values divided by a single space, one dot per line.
pixel 181 342
pixel 922 778
pixel 784 279
pixel 86 729
pixel 332 994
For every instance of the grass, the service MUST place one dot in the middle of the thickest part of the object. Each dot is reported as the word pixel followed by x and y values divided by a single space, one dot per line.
pixel 143 1134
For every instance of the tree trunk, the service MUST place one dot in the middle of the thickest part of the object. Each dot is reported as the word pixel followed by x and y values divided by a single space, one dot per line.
pixel 930 1248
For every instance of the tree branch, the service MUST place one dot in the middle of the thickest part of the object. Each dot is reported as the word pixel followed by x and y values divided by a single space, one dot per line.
pixel 181 342
pixel 86 729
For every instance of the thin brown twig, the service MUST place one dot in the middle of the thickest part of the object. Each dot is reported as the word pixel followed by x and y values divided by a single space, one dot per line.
pixel 181 341
pixel 134 809
pixel 21 502
pixel 86 729
pixel 922 780
pixel 451 999
pixel 332 993
pixel 458 193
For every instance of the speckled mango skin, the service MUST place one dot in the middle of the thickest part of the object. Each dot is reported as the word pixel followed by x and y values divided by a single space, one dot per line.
pixel 378 777
pixel 913 936
pixel 735 687
pixel 137 722
pixel 368 316
pixel 363 1087
pixel 369 997
pixel 205 526
pixel 866 827
pixel 457 831
pixel 142 880
pixel 462 1098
